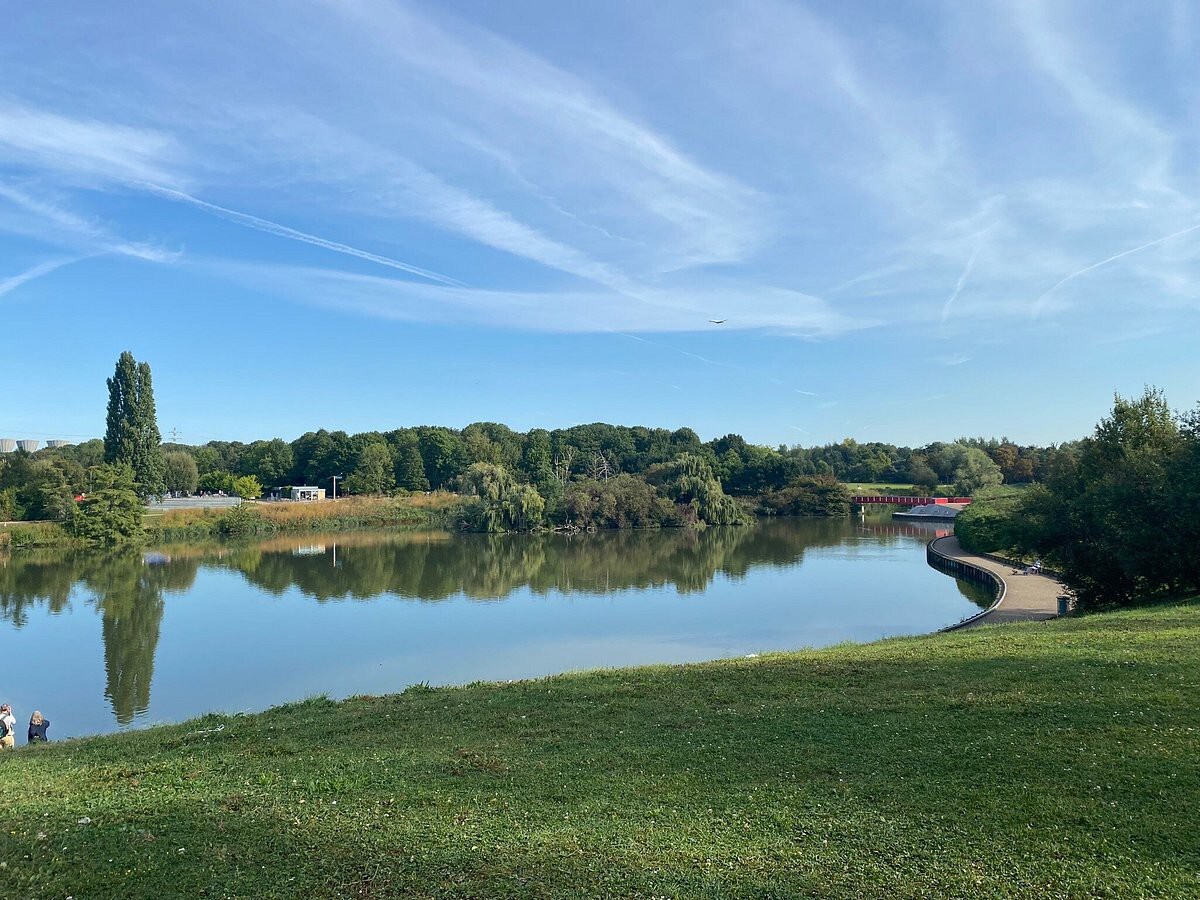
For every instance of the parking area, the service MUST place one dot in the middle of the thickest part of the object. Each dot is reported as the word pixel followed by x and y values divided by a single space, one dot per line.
pixel 171 503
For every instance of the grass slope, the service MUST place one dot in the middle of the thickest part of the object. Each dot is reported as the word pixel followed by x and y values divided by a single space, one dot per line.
pixel 1048 760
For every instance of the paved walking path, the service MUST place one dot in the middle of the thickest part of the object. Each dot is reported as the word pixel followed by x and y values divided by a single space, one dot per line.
pixel 1028 598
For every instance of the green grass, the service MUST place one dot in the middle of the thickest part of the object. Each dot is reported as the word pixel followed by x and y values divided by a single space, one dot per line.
pixel 881 487
pixel 350 513
pixel 23 535
pixel 1040 760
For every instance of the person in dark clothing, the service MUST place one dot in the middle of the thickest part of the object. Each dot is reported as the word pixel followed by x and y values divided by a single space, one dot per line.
pixel 37 727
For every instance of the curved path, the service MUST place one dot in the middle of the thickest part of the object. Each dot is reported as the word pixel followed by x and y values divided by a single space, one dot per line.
pixel 1026 598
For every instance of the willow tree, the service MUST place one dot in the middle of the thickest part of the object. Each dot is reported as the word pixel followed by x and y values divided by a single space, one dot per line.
pixel 500 502
pixel 132 437
pixel 688 480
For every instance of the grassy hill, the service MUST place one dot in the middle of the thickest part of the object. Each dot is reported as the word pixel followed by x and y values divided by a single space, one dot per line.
pixel 1048 760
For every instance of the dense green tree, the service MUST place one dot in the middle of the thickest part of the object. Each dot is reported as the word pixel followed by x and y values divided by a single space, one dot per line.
pixel 624 501
pixel 1100 518
pixel 180 474
pixel 1182 520
pixel 443 453
pixel 208 459
pixel 374 473
pixel 87 453
pixel 228 456
pixel 270 461
pixel 492 442
pixel 1022 471
pixel 410 468
pixel 131 436
pixel 973 469
pixel 39 487
pixel 320 455
pixel 247 487
pixel 992 521
pixel 111 513
pixel 218 481
pixel 55 482
pixel 920 475
pixel 809 495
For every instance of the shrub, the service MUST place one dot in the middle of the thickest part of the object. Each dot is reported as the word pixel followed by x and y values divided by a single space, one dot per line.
pixel 992 522
pixel 241 520
pixel 820 495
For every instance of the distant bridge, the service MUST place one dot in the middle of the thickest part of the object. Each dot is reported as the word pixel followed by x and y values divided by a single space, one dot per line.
pixel 902 500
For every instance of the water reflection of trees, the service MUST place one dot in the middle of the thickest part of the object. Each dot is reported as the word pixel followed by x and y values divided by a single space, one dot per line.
pixel 489 567
pixel 129 595
pixel 431 566
pixel 126 592
pixel 31 578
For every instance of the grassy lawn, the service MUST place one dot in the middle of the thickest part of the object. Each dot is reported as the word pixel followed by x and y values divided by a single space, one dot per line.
pixel 1041 760
pixel 881 487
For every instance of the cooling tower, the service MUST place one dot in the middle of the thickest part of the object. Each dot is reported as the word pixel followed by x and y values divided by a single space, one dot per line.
pixel 28 445
pixel 7 445
pixel 56 444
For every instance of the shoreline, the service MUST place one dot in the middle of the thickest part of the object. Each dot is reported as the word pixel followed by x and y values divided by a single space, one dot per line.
pixel 1033 599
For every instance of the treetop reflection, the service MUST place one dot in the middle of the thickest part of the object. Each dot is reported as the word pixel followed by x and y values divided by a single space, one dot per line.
pixel 128 591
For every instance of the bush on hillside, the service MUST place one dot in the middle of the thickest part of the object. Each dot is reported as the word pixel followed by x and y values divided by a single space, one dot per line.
pixel 993 522
pixel 820 495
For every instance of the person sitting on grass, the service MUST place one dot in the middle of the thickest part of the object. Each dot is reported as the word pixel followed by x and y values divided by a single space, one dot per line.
pixel 37 728
pixel 8 728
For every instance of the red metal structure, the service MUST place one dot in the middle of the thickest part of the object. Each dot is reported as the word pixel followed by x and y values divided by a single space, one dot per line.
pixel 901 500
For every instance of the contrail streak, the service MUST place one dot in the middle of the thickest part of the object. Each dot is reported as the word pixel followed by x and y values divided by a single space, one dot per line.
pixel 703 359
pixel 15 281
pixel 1040 302
pixel 711 362
pixel 275 228
pixel 962 280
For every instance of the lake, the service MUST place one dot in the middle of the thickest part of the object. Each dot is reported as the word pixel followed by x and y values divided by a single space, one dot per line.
pixel 99 643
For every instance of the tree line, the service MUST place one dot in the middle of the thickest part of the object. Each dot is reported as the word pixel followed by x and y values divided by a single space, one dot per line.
pixel 434 457
pixel 595 475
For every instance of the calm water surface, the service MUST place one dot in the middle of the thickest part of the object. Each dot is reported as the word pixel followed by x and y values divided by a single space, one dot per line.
pixel 100 643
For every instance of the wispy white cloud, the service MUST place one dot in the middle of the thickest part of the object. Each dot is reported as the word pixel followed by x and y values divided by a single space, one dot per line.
pixel 410 118
pixel 53 223
pixel 1111 116
pixel 602 311
pixel 568 134
pixel 953 359
pixel 81 149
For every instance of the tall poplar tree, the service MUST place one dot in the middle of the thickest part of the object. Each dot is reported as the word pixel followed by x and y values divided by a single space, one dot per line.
pixel 132 435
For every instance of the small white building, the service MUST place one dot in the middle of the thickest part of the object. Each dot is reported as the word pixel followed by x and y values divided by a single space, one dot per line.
pixel 308 493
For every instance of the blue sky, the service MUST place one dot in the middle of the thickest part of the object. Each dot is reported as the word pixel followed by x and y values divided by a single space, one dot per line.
pixel 918 220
